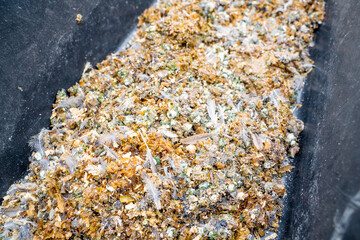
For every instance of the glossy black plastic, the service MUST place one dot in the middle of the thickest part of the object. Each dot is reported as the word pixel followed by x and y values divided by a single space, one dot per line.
pixel 327 173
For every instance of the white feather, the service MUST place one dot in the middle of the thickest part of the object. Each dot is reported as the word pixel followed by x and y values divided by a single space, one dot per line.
pixel 149 157
pixel 232 105
pixel 37 143
pixel 221 114
pixel 71 163
pixel 172 164
pixel 245 135
pixel 109 139
pixel 24 233
pixel 151 160
pixel 152 191
pixel 95 170
pixel 167 173
pixel 257 141
pixel 117 221
pixel 211 108
pixel 103 165
pixel 86 68
pixel 110 153
pixel 72 101
pixel 8 227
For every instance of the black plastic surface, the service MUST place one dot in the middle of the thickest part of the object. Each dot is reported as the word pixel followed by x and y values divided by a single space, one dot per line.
pixel 43 49
pixel 327 173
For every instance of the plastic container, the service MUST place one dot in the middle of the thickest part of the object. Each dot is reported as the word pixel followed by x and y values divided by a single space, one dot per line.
pixel 43 49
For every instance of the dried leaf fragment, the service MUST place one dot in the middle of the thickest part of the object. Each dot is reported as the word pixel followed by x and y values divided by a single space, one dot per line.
pixel 126 199
pixel 78 18
pixel 60 203
pixel 285 169
pixel 271 237
pixel 31 210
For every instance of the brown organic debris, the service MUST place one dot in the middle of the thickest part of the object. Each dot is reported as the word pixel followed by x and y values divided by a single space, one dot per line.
pixel 185 134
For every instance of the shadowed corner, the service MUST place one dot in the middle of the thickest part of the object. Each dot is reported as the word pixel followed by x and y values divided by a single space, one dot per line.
pixel 56 50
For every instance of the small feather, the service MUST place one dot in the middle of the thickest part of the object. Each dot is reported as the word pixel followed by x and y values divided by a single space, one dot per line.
pixel 71 163
pixel 44 164
pixel 245 135
pixel 257 141
pixel 24 233
pixel 239 106
pixel 87 67
pixel 167 133
pixel 172 164
pixel 231 104
pixel 11 212
pixel 276 97
pixel 143 77
pixel 82 125
pixel 156 233
pixel 22 187
pixel 72 101
pixel 152 191
pixel 117 221
pixel 164 95
pixel 167 173
pixel 126 130
pixel 95 170
pixel 221 114
pixel 37 143
pixel 103 165
pixel 8 227
pixel 108 139
pixel 196 138
pixel 211 108
pixel 151 160
pixel 110 153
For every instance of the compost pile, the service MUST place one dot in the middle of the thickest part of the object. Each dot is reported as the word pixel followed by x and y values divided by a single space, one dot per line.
pixel 185 134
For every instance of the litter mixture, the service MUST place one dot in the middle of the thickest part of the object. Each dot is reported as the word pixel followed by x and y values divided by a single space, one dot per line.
pixel 186 134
